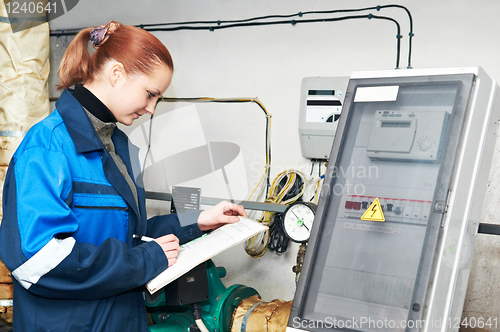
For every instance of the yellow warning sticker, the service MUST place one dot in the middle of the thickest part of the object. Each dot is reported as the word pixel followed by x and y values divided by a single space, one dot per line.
pixel 374 212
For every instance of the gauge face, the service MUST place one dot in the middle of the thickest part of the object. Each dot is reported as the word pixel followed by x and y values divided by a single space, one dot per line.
pixel 298 220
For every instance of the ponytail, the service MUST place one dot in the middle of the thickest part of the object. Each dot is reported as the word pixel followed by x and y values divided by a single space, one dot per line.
pixel 75 62
pixel 138 50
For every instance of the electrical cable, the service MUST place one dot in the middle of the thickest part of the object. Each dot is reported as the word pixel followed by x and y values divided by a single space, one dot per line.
pixel 201 325
pixel 224 24
pixel 257 186
pixel 277 239
pixel 293 22
pixel 378 7
pixel 219 22
pixel 288 187
pixel 410 34
pixel 317 190
pixel 289 190
pixel 267 170
pixel 197 317
pixel 301 14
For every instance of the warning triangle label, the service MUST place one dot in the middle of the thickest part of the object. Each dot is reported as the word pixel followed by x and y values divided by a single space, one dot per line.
pixel 374 212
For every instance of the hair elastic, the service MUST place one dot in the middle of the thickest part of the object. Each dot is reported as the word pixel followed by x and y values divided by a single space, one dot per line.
pixel 101 33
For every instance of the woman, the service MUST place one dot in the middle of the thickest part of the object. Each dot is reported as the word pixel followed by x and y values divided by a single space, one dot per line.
pixel 72 208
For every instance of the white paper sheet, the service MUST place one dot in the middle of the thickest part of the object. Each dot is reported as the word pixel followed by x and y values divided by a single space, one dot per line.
pixel 203 248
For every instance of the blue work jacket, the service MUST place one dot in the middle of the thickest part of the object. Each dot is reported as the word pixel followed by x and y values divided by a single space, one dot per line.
pixel 68 225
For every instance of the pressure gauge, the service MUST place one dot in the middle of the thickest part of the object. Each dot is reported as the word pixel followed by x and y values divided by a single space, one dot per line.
pixel 297 221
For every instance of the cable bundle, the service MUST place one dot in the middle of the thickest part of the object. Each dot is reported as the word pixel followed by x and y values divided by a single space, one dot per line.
pixel 267 170
pixel 321 177
pixel 288 19
pixel 287 187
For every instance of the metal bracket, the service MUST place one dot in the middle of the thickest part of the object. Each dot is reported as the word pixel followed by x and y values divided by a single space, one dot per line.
pixel 250 205
pixel 489 229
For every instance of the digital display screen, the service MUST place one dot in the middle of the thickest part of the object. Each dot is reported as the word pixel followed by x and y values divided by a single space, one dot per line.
pixel 405 124
pixel 321 92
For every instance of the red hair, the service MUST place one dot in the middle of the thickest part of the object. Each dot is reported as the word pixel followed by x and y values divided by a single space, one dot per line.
pixel 138 50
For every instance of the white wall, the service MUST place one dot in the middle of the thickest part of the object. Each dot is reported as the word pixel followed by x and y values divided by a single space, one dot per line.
pixel 270 62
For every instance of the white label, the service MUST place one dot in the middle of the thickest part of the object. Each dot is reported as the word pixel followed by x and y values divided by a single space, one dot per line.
pixel 376 93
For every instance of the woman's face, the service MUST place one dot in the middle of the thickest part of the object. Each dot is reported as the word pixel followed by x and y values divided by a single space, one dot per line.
pixel 136 95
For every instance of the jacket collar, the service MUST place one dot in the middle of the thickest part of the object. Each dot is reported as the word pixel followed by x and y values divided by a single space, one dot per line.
pixel 78 124
pixel 85 138
pixel 93 104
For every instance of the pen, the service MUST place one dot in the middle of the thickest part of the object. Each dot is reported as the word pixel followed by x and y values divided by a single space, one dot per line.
pixel 143 238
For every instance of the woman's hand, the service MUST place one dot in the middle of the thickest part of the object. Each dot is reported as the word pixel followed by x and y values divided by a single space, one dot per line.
pixel 220 214
pixel 170 245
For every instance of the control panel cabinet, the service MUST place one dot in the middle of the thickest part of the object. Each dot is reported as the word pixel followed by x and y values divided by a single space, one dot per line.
pixel 420 143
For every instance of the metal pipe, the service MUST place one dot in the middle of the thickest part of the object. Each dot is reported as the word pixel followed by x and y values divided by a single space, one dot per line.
pixel 249 205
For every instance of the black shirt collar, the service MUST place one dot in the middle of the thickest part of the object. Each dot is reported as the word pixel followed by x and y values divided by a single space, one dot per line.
pixel 93 104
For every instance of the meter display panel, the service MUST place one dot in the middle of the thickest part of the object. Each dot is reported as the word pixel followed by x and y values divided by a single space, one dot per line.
pixel 395 146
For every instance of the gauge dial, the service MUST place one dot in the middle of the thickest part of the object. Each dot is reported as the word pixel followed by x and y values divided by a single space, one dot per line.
pixel 298 220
